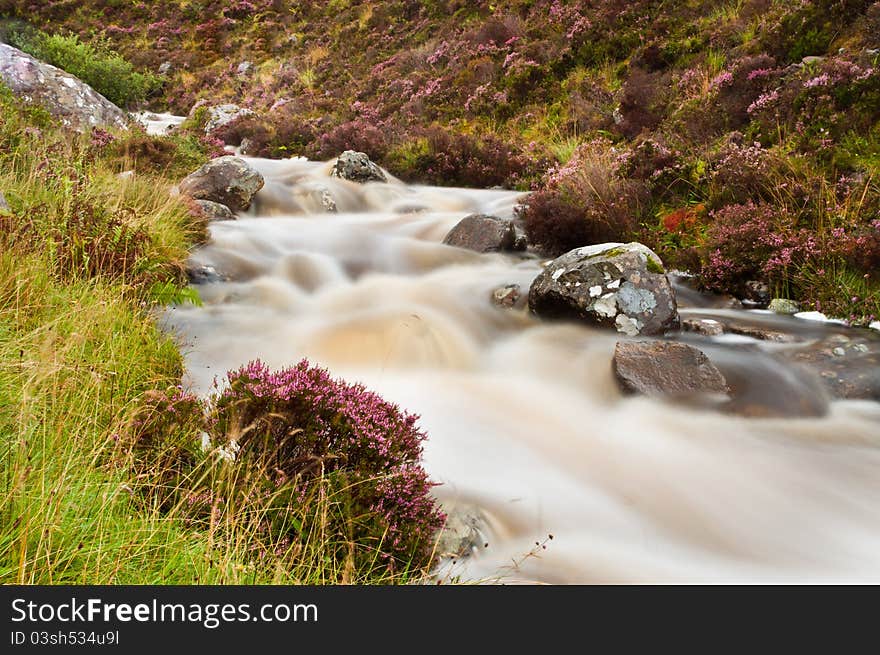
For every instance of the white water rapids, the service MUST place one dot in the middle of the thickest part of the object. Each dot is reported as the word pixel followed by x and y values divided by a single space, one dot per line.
pixel 524 418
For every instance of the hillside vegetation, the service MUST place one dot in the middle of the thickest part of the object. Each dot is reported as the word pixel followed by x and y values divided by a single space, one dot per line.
pixel 738 138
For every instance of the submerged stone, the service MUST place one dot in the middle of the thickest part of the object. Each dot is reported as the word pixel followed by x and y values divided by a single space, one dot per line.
pixel 665 368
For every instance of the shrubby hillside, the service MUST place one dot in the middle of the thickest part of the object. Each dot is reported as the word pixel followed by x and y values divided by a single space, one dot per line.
pixel 737 138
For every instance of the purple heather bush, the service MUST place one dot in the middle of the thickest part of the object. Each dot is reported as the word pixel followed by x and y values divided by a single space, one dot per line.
pixel 323 435
pixel 304 453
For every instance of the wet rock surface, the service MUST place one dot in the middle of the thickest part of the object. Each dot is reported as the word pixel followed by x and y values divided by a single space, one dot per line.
pixel 227 180
pixel 623 286
pixel 214 211
pixel 508 296
pixel 357 167
pixel 484 233
pixel 665 368
pixel 849 367
pixel 73 102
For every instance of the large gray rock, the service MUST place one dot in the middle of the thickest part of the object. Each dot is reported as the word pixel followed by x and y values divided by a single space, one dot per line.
pixel 665 368
pixel 226 180
pixel 484 233
pixel 357 167
pixel 611 285
pixel 71 101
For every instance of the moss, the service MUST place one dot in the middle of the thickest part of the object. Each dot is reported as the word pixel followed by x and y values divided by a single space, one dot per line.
pixel 654 266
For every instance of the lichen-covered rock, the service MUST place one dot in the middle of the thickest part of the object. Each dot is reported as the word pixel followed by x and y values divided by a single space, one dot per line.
pixel 611 285
pixel 784 306
pixel 357 167
pixel 227 180
pixel 665 368
pixel 71 101
pixel 214 211
pixel 484 233
pixel 223 115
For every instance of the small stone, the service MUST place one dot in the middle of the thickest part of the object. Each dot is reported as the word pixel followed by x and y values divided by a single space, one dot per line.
pixel 215 211
pixel 245 68
pixel 204 275
pixel 784 306
pixel 507 296
pixel 705 327
pixel 4 206
pixel 756 294
pixel 838 352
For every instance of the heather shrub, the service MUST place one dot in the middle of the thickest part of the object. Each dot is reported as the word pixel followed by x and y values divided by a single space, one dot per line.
pixel 740 172
pixel 584 202
pixel 356 135
pixel 755 242
pixel 642 102
pixel 324 438
pixel 438 156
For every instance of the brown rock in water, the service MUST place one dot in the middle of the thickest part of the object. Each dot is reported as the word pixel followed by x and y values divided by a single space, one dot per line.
pixel 665 368
pixel 484 233
pixel 226 180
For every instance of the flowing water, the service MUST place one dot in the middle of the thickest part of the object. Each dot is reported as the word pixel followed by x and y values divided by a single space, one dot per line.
pixel 525 421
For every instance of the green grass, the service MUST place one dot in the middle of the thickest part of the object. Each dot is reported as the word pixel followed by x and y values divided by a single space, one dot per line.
pixel 81 359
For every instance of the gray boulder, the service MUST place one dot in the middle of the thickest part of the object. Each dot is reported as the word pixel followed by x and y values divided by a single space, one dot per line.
pixel 357 167
pixel 665 368
pixel 226 180
pixel 71 101
pixel 610 285
pixel 214 211
pixel 484 233
pixel 223 115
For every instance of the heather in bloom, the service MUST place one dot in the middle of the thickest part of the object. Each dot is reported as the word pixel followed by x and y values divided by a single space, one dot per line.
pixel 323 436
pixel 309 460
